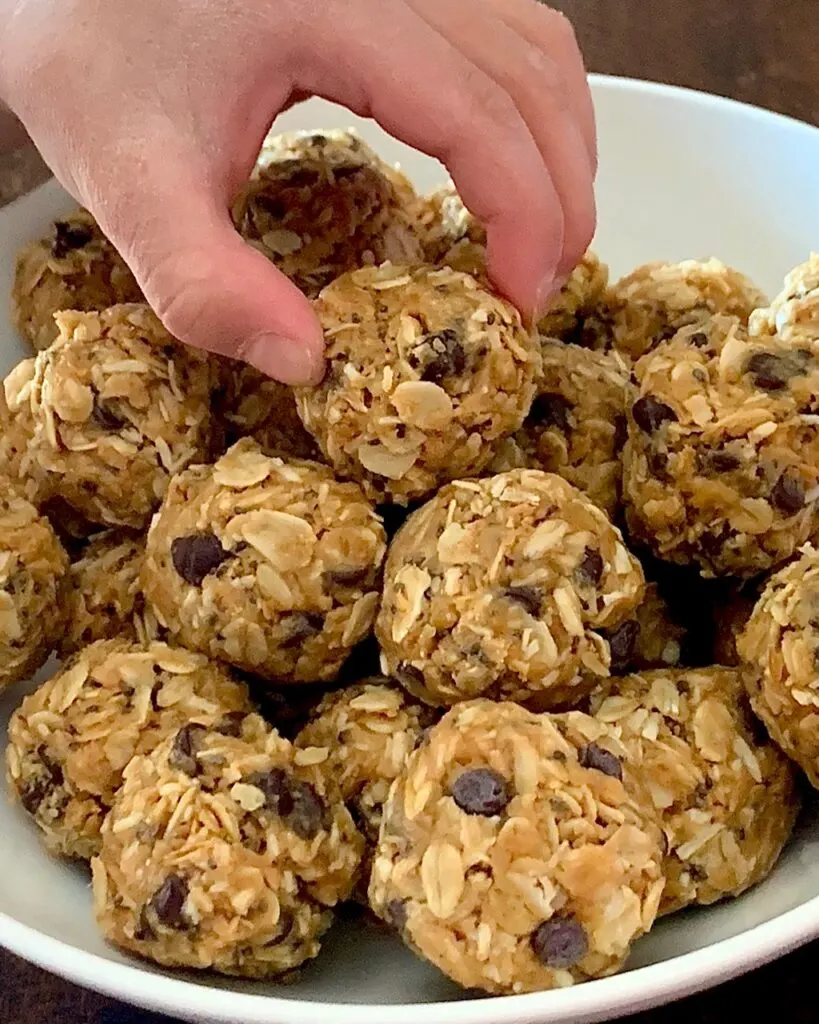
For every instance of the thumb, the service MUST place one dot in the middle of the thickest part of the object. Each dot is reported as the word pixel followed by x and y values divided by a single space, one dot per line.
pixel 208 287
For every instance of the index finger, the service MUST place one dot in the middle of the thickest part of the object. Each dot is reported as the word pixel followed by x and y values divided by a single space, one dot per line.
pixel 391 65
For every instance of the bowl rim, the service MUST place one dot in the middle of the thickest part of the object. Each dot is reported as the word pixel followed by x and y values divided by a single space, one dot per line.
pixel 604 998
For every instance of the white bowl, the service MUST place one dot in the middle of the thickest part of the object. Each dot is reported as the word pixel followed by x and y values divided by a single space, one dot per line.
pixel 682 175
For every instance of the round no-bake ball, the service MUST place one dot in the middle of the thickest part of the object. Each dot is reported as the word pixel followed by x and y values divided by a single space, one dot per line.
pixel 426 373
pixel 505 587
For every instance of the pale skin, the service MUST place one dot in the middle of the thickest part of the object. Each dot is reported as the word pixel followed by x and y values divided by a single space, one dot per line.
pixel 151 114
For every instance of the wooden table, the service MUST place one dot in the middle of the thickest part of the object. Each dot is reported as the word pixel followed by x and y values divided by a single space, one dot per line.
pixel 761 51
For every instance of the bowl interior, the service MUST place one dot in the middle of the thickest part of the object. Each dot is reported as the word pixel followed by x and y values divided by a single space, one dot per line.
pixel 681 176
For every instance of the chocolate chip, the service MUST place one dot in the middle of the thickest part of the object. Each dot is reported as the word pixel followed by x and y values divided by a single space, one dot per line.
pixel 712 461
pixel 295 802
pixel 68 237
pixel 622 642
pixel 346 576
pixel 274 785
pixel 231 724
pixel 788 494
pixel 698 339
pixel 196 555
pixel 560 943
pixel 594 756
pixel 49 777
pixel 301 627
pixel 395 914
pixel 307 816
pixel 448 359
pixel 409 676
pixel 105 416
pixel 551 410
pixel 697 873
pixel 168 902
pixel 185 745
pixel 590 568
pixel 33 793
pixel 481 791
pixel 530 598
pixel 650 414
pixel 771 371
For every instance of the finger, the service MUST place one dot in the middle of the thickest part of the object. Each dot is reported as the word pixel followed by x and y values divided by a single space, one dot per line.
pixel 394 67
pixel 552 33
pixel 293 100
pixel 536 84
pixel 207 286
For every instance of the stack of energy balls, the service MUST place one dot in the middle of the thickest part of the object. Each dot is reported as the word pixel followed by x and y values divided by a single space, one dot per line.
pixel 509 634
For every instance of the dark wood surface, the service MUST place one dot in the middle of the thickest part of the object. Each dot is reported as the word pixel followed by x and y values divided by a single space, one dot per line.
pixel 764 52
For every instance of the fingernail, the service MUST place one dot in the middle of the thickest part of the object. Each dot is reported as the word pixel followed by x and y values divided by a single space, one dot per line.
pixel 547 293
pixel 285 359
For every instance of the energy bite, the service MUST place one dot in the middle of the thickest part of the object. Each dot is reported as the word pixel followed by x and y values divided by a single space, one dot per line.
pixel 223 852
pixel 70 740
pixel 101 595
pixel 780 646
pixel 269 565
pixel 261 408
pixel 793 316
pixel 652 303
pixel 322 203
pixel 455 238
pixel 76 267
pixel 118 406
pixel 576 426
pixel 426 372
pixel 32 564
pixel 726 797
pixel 505 587
pixel 513 854
pixel 722 464
pixel 361 737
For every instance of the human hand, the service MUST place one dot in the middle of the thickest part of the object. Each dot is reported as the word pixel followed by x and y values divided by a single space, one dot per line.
pixel 152 114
